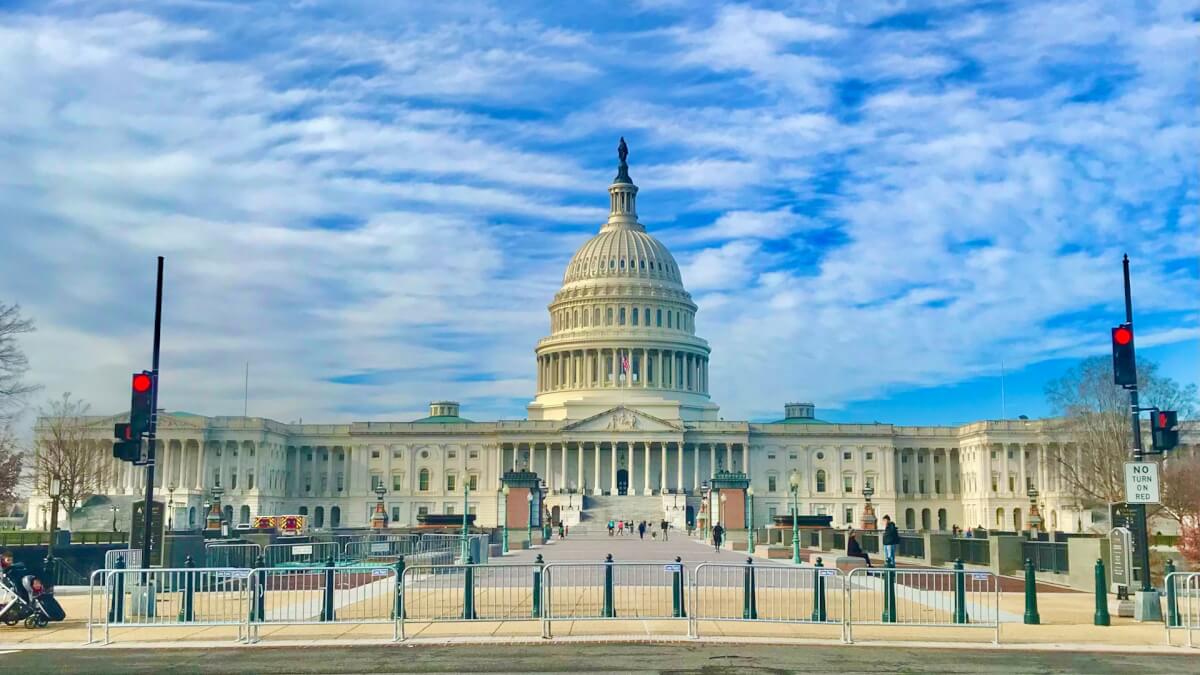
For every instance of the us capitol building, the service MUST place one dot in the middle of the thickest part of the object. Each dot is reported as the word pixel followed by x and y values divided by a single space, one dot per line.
pixel 622 414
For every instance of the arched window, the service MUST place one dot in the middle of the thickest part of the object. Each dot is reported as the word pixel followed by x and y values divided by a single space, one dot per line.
pixel 621 316
pixel 608 316
pixel 244 515
pixel 925 519
pixel 1017 520
pixel 596 317
pixel 335 516
pixel 228 514
pixel 192 517
pixel 304 510
pixel 941 519
pixel 646 316
pixel 821 480
pixel 423 480
pixel 658 318
pixel 910 519
pixel 999 518
pixel 634 317
pixel 319 517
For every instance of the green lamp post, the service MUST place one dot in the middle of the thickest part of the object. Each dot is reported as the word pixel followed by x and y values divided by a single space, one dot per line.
pixel 504 520
pixel 750 521
pixel 529 499
pixel 794 484
pixel 466 548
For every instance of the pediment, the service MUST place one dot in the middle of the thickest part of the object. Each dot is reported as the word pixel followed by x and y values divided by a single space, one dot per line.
pixel 622 419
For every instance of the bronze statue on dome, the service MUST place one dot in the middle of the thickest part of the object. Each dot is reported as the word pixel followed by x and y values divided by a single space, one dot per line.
pixel 622 151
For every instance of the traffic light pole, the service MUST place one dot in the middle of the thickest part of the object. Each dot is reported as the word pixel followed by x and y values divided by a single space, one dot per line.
pixel 1147 599
pixel 148 511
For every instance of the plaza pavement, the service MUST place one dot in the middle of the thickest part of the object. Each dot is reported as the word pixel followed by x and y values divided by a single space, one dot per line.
pixel 1066 618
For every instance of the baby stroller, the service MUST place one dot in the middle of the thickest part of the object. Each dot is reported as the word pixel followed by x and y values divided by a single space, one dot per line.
pixel 23 597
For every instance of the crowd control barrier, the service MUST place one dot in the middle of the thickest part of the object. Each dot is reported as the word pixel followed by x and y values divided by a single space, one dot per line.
pixel 197 596
pixel 470 592
pixel 886 596
pixel 301 555
pixel 385 548
pixel 242 555
pixel 318 594
pixel 767 593
pixel 607 590
pixel 1183 605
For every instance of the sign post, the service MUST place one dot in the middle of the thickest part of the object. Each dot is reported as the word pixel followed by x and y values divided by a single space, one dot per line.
pixel 1141 483
pixel 137 538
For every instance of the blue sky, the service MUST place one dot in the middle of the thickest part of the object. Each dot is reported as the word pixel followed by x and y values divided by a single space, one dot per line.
pixel 874 204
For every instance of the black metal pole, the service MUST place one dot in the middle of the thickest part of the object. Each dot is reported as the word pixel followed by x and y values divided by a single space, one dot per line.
pixel 148 511
pixel 1135 424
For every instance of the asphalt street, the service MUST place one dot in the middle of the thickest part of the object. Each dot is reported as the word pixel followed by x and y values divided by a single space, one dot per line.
pixel 577 658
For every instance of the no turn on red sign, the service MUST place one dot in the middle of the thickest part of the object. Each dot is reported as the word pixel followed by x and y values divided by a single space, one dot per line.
pixel 1141 483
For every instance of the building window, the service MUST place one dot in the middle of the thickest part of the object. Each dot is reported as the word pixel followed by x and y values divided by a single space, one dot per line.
pixel 658 318
pixel 451 454
pixel 920 459
pixel 904 487
pixel 473 482
pixel 376 481
pixel 904 459
pixel 634 317
pixel 473 454
pixel 993 454
pixel 397 482
pixel 770 483
pixel 397 453
pixel 423 480
pixel 921 485
pixel 341 485
pixel 995 483
pixel 937 485
pixel 771 513
pixel 669 321
pixel 1010 454
pixel 1012 483
pixel 448 508
pixel 422 510
pixel 621 316
pixel 848 483
pixel 845 455
pixel 374 454
pixel 250 481
pixel 646 316
pixel 849 515
pixel 820 481
pixel 395 514
pixel 820 455
pixel 450 481
pixel 870 456
pixel 608 317
pixel 232 480
pixel 870 482
pixel 792 455
pixel 216 478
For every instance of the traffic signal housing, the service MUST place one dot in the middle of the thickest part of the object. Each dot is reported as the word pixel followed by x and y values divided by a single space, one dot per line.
pixel 1124 365
pixel 141 407
pixel 1165 431
pixel 127 448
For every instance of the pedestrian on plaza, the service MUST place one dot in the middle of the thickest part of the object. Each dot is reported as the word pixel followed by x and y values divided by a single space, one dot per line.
pixel 620 527
pixel 566 530
pixel 718 535
pixel 642 530
pixel 853 549
pixel 561 532
pixel 891 539
pixel 665 525
pixel 611 526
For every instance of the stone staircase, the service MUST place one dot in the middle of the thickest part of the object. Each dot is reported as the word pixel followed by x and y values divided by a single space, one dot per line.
pixel 597 511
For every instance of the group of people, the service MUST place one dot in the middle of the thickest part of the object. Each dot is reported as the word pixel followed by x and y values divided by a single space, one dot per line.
pixel 623 527
pixel 891 539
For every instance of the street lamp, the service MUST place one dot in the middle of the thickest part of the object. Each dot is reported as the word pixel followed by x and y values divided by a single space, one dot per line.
pixel 466 493
pixel 379 517
pixel 868 521
pixel 794 484
pixel 115 508
pixel 721 510
pixel 1035 518
pixel 171 507
pixel 750 524
pixel 55 490
pixel 504 520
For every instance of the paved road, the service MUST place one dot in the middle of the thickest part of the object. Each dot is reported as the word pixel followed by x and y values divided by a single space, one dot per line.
pixel 578 658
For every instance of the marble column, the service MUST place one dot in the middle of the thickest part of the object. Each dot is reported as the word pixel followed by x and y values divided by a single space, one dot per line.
pixel 579 467
pixel 712 460
pixel 695 464
pixel 613 462
pixel 729 457
pixel 678 466
pixel 597 488
pixel 645 467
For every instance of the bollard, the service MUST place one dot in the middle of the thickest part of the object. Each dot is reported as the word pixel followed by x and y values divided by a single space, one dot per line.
pixel 749 601
pixel 889 592
pixel 537 586
pixel 1172 605
pixel 258 611
pixel 469 590
pixel 116 610
pixel 677 589
pixel 187 610
pixel 818 613
pixel 960 592
pixel 398 608
pixel 609 609
pixel 1101 618
pixel 327 604
pixel 1031 611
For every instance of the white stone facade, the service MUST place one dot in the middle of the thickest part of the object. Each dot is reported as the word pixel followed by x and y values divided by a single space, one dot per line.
pixel 622 400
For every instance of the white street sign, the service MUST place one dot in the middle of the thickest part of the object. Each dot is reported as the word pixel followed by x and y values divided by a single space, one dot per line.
pixel 1141 483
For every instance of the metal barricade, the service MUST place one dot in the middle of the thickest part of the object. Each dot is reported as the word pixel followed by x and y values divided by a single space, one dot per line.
pixel 191 596
pixel 768 593
pixel 441 593
pixel 243 555
pixel 318 594
pixel 300 555
pixel 922 597
pixel 384 548
pixel 131 556
pixel 612 590
pixel 1183 605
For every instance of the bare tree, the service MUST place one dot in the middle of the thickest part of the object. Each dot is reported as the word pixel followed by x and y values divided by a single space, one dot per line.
pixel 1094 412
pixel 12 460
pixel 61 451
pixel 13 364
pixel 1181 490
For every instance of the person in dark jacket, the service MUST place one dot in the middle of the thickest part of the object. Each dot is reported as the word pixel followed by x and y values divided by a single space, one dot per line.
pixel 718 535
pixel 854 550
pixel 642 530
pixel 891 539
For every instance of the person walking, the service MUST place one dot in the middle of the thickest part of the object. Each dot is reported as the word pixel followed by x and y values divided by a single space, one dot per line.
pixel 642 530
pixel 561 532
pixel 620 527
pixel 891 539
pixel 611 527
pixel 665 525
pixel 718 535
pixel 853 549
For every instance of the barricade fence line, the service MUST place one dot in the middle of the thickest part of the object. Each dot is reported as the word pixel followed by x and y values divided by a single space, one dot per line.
pixel 243 555
pixel 301 554
pixel 442 591
pixel 382 549
pixel 1183 605
pixel 922 597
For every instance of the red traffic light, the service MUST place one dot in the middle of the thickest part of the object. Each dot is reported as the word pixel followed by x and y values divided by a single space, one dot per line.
pixel 141 383
pixel 1163 420
pixel 1122 335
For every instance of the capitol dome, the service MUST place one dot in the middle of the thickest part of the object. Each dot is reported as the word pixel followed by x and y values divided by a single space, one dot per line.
pixel 622 326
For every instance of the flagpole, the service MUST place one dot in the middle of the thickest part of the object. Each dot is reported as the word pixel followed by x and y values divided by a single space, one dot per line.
pixel 1003 406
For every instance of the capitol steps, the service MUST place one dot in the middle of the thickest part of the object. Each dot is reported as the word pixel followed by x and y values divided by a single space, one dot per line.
pixel 597 511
